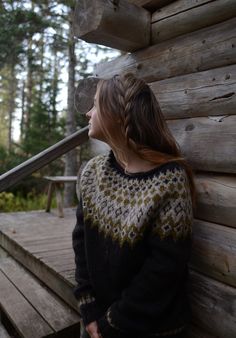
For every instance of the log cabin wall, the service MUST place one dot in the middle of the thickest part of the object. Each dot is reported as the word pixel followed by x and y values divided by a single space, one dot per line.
pixel 187 54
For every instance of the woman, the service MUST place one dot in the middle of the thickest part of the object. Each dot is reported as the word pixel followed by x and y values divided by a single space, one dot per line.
pixel 132 239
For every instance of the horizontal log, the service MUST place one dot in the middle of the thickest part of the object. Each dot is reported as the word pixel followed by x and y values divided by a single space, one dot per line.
pixel 213 306
pixel 216 198
pixel 177 7
pixel 205 93
pixel 208 143
pixel 116 24
pixel 214 251
pixel 212 92
pixel 205 49
pixel 151 5
pixel 186 16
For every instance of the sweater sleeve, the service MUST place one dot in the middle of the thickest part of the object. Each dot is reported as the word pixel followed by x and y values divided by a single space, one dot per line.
pixel 88 307
pixel 152 295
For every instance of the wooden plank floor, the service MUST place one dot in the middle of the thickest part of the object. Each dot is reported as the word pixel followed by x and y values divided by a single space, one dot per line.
pixel 25 300
pixel 42 242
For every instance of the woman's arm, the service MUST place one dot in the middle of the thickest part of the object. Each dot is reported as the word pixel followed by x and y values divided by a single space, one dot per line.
pixel 83 291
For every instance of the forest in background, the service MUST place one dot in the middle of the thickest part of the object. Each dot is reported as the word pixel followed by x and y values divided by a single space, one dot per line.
pixel 41 63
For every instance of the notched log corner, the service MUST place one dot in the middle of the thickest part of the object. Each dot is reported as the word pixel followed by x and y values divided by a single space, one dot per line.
pixel 84 94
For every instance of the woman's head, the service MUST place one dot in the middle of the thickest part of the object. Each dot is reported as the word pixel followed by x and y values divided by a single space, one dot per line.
pixel 126 114
pixel 130 115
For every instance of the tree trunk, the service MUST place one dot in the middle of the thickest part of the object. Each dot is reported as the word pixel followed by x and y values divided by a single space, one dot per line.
pixel 11 103
pixel 22 121
pixel 29 86
pixel 71 157
pixel 54 88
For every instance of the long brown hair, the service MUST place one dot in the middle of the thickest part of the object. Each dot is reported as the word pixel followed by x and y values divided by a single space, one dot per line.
pixel 130 102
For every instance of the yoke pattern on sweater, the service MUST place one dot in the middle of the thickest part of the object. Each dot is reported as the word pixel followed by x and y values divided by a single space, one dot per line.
pixel 123 207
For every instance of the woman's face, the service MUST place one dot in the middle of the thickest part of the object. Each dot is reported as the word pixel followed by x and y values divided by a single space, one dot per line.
pixel 95 129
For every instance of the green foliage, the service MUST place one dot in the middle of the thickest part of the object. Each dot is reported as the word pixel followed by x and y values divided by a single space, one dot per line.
pixel 10 159
pixel 34 59
pixel 12 203
pixel 17 25
pixel 42 131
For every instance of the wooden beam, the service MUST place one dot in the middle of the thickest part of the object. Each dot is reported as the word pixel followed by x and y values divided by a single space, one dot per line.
pixel 116 24
pixel 216 198
pixel 212 92
pixel 213 306
pixel 205 49
pixel 214 251
pixel 46 156
pixel 151 5
pixel 185 16
pixel 208 143
pixel 83 102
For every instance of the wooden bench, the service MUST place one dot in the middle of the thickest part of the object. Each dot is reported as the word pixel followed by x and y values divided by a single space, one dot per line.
pixel 55 182
pixel 32 309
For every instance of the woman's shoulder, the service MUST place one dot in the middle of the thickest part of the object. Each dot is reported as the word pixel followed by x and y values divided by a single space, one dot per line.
pixel 167 172
pixel 172 170
pixel 172 166
pixel 172 177
pixel 90 170
pixel 94 163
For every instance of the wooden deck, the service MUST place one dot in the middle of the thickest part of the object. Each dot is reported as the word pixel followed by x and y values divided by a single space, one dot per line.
pixel 42 243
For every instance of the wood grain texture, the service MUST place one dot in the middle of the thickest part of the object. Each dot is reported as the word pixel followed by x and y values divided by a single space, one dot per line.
pixel 205 49
pixel 151 5
pixel 120 24
pixel 209 144
pixel 176 7
pixel 214 251
pixel 56 313
pixel 39 228
pixel 185 16
pixel 213 306
pixel 20 311
pixel 84 94
pixel 216 198
pixel 212 92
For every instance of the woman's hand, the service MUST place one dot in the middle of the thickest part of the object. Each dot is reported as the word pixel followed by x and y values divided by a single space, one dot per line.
pixel 93 331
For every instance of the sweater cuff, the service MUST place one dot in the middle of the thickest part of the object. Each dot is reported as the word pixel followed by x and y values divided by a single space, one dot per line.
pixel 106 328
pixel 88 308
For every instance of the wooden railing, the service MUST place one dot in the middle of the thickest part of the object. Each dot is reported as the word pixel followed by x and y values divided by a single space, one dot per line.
pixel 40 160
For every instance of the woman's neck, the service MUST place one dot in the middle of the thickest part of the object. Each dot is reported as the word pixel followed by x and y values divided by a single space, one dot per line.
pixel 132 163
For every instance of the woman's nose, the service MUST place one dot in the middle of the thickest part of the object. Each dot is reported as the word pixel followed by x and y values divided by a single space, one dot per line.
pixel 88 114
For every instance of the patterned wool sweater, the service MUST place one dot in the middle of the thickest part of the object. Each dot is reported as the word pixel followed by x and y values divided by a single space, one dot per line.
pixel 132 244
